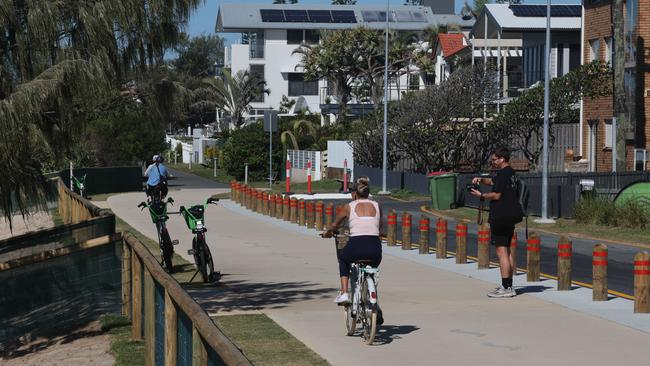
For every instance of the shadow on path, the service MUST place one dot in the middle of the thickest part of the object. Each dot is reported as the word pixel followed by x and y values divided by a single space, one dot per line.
pixel 388 333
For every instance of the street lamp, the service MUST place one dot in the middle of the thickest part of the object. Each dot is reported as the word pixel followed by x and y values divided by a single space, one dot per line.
pixel 384 189
pixel 545 219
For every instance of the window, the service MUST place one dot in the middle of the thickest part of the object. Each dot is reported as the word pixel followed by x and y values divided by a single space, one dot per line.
pixel 560 59
pixel 594 49
pixel 609 134
pixel 640 158
pixel 294 36
pixel 256 42
pixel 259 71
pixel 299 86
pixel 608 49
pixel 312 36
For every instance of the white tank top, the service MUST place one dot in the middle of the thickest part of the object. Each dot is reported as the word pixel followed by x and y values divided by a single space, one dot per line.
pixel 363 225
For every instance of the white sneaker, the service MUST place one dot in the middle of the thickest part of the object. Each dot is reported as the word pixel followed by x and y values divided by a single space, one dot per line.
pixel 342 298
pixel 502 292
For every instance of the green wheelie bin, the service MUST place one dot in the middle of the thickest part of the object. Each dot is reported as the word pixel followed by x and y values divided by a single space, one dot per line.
pixel 442 186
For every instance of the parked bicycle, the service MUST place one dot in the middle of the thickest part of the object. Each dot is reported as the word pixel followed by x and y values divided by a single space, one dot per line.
pixel 158 211
pixel 363 309
pixel 194 218
pixel 79 185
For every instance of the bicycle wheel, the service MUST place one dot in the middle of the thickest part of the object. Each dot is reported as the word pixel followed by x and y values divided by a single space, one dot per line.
pixel 213 276
pixel 167 249
pixel 368 313
pixel 350 320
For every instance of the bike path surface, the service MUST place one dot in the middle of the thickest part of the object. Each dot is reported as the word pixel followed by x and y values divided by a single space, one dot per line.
pixel 432 315
pixel 621 257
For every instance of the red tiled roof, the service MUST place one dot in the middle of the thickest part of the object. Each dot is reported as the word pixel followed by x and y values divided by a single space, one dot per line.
pixel 451 43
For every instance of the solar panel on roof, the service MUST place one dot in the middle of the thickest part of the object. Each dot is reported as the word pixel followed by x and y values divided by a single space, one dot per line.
pixel 418 16
pixel 343 16
pixel 370 16
pixel 403 16
pixel 297 16
pixel 272 15
pixel 557 11
pixel 320 16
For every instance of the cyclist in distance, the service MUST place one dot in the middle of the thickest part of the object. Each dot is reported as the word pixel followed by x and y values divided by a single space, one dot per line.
pixel 364 218
pixel 157 174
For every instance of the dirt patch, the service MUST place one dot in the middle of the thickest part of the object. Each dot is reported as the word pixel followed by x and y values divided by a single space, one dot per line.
pixel 85 346
pixel 33 222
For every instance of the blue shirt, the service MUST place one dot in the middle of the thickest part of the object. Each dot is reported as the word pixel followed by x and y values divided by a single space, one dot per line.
pixel 154 173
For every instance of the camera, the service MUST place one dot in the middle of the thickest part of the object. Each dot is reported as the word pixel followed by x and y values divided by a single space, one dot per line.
pixel 471 186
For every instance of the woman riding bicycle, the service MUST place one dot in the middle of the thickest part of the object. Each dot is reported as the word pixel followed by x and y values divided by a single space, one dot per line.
pixel 364 217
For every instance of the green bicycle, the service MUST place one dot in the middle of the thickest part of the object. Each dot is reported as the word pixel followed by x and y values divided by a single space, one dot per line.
pixel 194 218
pixel 79 185
pixel 158 212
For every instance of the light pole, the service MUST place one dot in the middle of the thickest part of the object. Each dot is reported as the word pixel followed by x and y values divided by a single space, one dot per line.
pixel 384 189
pixel 545 219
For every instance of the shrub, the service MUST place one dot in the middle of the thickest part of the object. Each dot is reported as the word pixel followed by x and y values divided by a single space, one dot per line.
pixel 601 211
pixel 250 144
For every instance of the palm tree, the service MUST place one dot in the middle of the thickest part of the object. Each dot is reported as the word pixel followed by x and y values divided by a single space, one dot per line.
pixel 235 93
pixel 59 60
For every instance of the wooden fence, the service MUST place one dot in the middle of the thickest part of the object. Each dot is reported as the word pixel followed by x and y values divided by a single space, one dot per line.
pixel 175 329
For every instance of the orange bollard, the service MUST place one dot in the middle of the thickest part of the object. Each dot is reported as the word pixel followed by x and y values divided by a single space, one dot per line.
pixel 310 214
pixel 441 238
pixel 599 267
pixel 406 231
pixel 301 213
pixel 329 213
pixel 564 252
pixel 533 259
pixel 286 209
pixel 642 283
pixel 461 243
pixel 318 218
pixel 293 210
pixel 483 247
pixel 265 203
pixel 424 234
pixel 391 232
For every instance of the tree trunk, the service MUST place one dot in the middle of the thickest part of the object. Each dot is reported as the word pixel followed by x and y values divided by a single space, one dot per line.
pixel 618 20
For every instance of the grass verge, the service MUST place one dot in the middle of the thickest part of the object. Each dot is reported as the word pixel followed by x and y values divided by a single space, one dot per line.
pixel 264 342
pixel 202 171
pixel 637 237
pixel 126 351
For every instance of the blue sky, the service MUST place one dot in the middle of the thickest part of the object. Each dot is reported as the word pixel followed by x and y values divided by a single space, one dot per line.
pixel 204 18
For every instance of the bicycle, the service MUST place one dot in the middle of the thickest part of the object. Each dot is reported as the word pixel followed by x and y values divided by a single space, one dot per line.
pixel 158 211
pixel 364 307
pixel 79 185
pixel 194 218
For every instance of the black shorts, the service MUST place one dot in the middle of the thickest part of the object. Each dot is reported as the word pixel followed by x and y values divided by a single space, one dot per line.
pixel 501 235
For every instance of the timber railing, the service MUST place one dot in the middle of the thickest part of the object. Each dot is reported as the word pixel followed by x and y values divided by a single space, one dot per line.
pixel 175 329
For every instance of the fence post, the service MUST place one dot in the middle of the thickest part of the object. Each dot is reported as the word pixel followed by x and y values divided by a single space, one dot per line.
pixel 199 353
pixel 424 234
pixel 126 280
pixel 599 264
pixel 136 297
pixel 513 253
pixel 293 205
pixel 310 214
pixel 483 253
pixel 286 208
pixel 318 219
pixel 461 243
pixel 406 231
pixel 564 252
pixel 391 232
pixel 441 238
pixel 329 213
pixel 171 331
pixel 642 283
pixel 149 319
pixel 301 213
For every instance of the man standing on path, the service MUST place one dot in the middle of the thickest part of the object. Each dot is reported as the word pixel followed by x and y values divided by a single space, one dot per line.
pixel 505 212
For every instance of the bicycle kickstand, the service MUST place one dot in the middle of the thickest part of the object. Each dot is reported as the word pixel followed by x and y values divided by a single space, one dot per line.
pixel 195 273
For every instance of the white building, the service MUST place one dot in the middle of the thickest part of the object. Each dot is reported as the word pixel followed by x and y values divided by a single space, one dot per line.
pixel 273 32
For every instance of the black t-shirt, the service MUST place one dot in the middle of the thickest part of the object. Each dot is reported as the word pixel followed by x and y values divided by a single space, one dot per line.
pixel 505 210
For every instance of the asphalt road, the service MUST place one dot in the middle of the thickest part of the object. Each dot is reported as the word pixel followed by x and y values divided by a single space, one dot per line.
pixel 621 257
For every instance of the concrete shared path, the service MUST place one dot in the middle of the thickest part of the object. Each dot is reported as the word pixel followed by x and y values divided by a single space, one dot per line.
pixel 433 316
